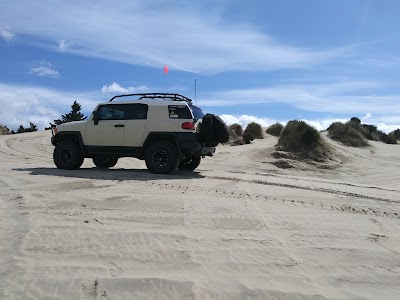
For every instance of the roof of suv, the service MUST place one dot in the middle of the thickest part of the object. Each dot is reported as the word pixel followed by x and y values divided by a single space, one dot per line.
pixel 165 96
pixel 150 102
pixel 154 99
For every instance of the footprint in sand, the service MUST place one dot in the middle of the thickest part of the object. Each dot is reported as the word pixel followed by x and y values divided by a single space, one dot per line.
pixel 114 270
pixel 376 237
pixel 89 290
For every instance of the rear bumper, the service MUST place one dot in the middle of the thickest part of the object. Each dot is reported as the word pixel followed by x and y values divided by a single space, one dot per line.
pixel 189 144
pixel 188 141
pixel 207 151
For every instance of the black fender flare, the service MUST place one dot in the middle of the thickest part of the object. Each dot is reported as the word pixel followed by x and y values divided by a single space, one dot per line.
pixel 71 135
pixel 163 136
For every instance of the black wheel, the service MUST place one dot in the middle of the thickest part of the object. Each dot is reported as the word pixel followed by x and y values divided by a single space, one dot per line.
pixel 190 163
pixel 67 155
pixel 105 161
pixel 161 158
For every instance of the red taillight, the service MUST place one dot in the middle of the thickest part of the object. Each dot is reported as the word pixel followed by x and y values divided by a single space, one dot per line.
pixel 55 130
pixel 188 125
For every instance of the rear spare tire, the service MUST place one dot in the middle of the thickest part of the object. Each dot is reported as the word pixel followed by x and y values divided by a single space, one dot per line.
pixel 161 158
pixel 213 131
pixel 67 155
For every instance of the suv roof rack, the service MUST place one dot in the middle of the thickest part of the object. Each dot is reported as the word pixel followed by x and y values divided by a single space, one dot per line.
pixel 166 96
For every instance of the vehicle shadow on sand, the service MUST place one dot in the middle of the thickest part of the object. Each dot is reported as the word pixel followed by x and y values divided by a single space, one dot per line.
pixel 111 174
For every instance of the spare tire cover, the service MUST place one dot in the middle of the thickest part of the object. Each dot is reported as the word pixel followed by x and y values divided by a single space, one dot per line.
pixel 213 131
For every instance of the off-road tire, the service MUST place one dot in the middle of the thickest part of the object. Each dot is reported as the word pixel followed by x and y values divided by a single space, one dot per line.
pixel 161 158
pixel 105 162
pixel 67 155
pixel 190 163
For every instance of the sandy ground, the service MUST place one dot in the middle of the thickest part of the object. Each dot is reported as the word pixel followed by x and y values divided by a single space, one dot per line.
pixel 237 228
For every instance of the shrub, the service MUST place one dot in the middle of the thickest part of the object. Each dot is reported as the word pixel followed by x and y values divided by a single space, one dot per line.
pixel 248 137
pixel 255 130
pixel 354 122
pixel 32 127
pixel 396 134
pixel 303 141
pixel 371 132
pixel 389 138
pixel 299 136
pixel 275 129
pixel 236 128
pixel 4 130
pixel 239 141
pixel 333 126
pixel 347 134
pixel 234 139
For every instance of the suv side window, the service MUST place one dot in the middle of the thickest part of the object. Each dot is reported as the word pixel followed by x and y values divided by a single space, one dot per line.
pixel 179 112
pixel 112 112
pixel 136 111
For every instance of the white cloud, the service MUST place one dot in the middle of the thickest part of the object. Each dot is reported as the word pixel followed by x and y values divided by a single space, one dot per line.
pixel 115 88
pixel 191 38
pixel 63 45
pixel 23 104
pixel 45 71
pixel 323 124
pixel 387 128
pixel 366 117
pixel 327 98
pixel 6 35
pixel 244 120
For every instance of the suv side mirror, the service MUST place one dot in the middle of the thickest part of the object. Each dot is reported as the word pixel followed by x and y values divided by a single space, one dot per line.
pixel 95 118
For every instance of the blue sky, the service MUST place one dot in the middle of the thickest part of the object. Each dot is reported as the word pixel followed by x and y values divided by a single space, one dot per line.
pixel 265 61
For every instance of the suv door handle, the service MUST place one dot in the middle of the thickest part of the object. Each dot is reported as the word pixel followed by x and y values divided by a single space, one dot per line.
pixel 119 125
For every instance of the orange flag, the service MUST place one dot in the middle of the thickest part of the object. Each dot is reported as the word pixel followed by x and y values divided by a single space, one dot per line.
pixel 165 69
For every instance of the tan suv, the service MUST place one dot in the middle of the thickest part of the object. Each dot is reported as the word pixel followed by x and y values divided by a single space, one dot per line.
pixel 158 128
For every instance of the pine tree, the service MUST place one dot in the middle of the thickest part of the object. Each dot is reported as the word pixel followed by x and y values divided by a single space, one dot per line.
pixel 21 129
pixel 32 127
pixel 74 115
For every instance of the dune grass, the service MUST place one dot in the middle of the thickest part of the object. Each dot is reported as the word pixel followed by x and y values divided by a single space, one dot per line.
pixel 347 135
pixel 275 129
pixel 304 141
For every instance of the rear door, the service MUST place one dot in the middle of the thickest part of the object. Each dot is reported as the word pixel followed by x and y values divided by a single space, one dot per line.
pixel 135 126
pixel 110 131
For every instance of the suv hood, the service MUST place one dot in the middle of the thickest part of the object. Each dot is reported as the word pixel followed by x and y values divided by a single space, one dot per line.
pixel 72 126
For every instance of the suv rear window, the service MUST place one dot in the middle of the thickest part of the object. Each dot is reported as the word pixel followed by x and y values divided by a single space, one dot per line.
pixel 137 111
pixel 179 112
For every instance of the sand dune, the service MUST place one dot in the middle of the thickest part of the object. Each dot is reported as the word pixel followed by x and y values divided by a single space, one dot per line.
pixel 238 228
